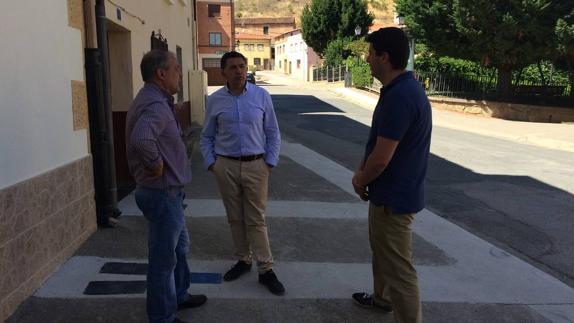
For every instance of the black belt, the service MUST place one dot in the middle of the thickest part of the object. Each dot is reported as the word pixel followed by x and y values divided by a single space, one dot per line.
pixel 244 158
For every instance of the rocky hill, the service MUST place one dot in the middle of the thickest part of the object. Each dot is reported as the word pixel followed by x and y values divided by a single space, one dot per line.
pixel 382 9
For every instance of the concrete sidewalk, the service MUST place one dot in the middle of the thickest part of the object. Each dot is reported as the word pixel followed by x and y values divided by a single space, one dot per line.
pixel 547 135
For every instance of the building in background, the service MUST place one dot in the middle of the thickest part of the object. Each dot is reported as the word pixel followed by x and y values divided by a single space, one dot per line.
pixel 256 36
pixel 269 27
pixel 293 56
pixel 257 50
pixel 215 34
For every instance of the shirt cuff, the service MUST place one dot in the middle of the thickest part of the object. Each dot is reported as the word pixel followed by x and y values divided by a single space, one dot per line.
pixel 208 162
pixel 269 160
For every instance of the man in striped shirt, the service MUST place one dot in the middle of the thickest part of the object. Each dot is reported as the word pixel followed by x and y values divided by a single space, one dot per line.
pixel 158 161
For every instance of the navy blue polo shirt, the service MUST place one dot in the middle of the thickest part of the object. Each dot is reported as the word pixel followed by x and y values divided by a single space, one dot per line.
pixel 403 113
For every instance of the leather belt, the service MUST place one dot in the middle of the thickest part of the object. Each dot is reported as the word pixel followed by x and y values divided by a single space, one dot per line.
pixel 244 158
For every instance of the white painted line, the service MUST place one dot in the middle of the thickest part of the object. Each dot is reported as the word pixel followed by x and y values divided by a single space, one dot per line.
pixel 322 280
pixel 296 209
pixel 74 275
pixel 302 280
pixel 483 272
pixel 321 165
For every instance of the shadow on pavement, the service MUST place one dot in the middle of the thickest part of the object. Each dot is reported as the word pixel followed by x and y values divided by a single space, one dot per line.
pixel 520 214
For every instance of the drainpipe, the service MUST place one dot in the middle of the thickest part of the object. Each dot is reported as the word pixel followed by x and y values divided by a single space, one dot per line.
pixel 232 44
pixel 97 65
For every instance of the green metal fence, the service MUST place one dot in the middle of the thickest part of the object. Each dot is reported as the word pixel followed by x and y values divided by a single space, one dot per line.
pixel 484 87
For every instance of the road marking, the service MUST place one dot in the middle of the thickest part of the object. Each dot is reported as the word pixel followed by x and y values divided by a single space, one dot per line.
pixel 453 284
pixel 298 209
pixel 483 273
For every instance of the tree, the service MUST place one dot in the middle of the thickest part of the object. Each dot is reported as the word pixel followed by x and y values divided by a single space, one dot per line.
pixel 337 51
pixel 506 34
pixel 326 20
pixel 564 31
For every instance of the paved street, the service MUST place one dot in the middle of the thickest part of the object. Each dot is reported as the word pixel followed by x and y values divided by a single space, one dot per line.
pixel 493 244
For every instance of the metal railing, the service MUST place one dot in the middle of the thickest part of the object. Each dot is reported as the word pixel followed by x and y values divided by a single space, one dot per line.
pixel 329 73
pixel 484 87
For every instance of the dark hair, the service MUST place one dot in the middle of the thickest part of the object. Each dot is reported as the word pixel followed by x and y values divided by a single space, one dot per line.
pixel 152 61
pixel 394 41
pixel 229 55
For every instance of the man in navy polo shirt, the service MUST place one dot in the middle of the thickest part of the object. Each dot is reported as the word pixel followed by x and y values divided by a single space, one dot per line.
pixel 392 174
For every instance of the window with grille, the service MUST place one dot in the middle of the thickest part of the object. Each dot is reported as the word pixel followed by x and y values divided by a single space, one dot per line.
pixel 257 61
pixel 214 39
pixel 211 62
pixel 266 30
pixel 214 10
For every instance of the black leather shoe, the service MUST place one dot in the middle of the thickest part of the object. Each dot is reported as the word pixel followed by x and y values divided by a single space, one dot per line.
pixel 192 301
pixel 240 268
pixel 270 280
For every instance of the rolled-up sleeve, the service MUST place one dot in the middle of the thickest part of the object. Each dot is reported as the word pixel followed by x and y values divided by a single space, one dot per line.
pixel 272 134
pixel 207 140
pixel 145 134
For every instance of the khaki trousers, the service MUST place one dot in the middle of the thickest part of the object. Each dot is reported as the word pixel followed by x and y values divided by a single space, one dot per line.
pixel 394 275
pixel 243 188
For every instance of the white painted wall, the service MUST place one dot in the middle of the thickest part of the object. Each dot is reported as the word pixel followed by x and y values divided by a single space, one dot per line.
pixel 168 15
pixel 296 49
pixel 40 56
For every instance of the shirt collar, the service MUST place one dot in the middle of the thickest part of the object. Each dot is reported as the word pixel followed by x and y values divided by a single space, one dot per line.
pixel 404 76
pixel 245 88
pixel 155 88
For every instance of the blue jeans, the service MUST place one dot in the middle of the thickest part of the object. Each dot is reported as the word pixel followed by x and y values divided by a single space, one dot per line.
pixel 168 276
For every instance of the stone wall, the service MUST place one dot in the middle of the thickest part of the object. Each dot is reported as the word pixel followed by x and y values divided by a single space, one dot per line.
pixel 508 111
pixel 44 220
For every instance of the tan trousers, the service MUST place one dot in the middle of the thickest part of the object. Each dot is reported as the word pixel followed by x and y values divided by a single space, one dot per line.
pixel 243 188
pixel 394 275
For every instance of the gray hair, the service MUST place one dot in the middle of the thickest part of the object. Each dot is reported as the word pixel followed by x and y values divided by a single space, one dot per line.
pixel 152 61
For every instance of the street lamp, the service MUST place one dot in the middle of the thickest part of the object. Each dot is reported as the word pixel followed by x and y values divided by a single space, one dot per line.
pixel 358 31
pixel 399 20
pixel 237 45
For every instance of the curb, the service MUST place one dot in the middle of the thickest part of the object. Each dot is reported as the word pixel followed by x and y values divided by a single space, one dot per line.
pixel 369 102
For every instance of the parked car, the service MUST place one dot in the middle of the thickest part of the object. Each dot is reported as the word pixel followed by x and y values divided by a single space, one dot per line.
pixel 250 77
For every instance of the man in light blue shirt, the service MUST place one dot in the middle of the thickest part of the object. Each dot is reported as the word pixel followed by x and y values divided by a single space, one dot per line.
pixel 240 144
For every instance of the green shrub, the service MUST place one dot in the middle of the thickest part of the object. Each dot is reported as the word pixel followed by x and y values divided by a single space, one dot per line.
pixel 337 51
pixel 361 74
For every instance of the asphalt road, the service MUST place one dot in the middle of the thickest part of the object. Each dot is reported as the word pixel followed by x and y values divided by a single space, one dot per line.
pixel 518 197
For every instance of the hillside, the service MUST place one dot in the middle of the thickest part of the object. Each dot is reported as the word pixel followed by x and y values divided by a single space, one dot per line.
pixel 382 9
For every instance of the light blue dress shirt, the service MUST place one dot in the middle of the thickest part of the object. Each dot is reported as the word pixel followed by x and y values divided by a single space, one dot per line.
pixel 240 125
